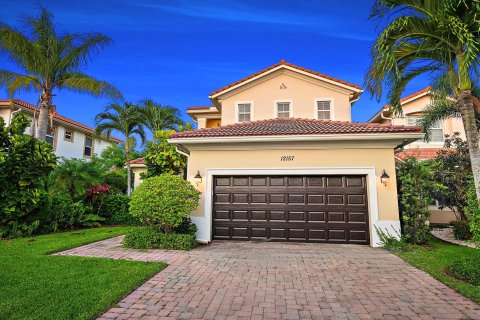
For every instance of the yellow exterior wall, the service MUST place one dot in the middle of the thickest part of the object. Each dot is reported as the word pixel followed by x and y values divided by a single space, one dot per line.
pixel 438 216
pixel 328 158
pixel 300 90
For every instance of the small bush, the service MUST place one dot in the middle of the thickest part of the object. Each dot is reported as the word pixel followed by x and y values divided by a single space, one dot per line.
pixel 466 270
pixel 163 201
pixel 114 208
pixel 461 230
pixel 148 238
pixel 186 227
pixel 390 242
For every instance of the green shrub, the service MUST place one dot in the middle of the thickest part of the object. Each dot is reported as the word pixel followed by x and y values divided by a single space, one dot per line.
pixel 59 212
pixel 187 227
pixel 466 270
pixel 114 208
pixel 163 201
pixel 391 242
pixel 461 230
pixel 473 212
pixel 91 221
pixel 148 238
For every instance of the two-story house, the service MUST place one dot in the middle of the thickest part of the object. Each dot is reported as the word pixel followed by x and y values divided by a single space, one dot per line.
pixel 413 107
pixel 69 138
pixel 276 157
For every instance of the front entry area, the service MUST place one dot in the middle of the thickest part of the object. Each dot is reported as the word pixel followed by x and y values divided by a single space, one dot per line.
pixel 302 208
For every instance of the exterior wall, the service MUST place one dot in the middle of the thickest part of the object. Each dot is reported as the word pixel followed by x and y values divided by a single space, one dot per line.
pixel 5 114
pixel 375 159
pixel 301 91
pixel 438 216
pixel 415 107
pixel 137 171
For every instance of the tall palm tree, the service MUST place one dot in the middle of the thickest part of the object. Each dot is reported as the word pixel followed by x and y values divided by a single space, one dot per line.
pixel 50 62
pixel 158 117
pixel 429 37
pixel 127 120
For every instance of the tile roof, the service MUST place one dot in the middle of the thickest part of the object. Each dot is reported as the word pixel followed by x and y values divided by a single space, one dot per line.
pixel 419 153
pixel 58 117
pixel 285 63
pixel 292 126
pixel 138 161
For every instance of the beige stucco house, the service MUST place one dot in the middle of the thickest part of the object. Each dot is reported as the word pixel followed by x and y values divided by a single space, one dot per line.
pixel 277 157
pixel 413 107
pixel 69 138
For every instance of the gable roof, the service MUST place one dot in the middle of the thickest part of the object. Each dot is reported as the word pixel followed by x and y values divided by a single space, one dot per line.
pixel 285 64
pixel 410 97
pixel 419 153
pixel 293 126
pixel 60 118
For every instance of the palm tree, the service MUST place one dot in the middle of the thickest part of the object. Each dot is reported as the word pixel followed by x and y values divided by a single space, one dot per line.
pixel 50 62
pixel 158 117
pixel 126 119
pixel 433 37
pixel 75 176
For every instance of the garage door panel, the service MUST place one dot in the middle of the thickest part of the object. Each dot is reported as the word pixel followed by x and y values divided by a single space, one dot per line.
pixel 291 208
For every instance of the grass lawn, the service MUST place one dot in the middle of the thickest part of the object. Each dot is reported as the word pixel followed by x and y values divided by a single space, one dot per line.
pixel 434 260
pixel 35 285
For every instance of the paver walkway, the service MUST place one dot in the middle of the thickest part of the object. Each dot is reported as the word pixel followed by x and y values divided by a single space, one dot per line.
pixel 247 280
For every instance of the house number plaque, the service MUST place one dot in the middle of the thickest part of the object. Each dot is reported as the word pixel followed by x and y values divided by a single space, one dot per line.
pixel 287 158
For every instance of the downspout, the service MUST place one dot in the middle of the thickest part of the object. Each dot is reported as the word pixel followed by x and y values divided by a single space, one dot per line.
pixel 386 118
pixel 184 154
pixel 11 116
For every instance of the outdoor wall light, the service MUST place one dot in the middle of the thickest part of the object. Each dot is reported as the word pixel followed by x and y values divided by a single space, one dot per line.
pixel 384 178
pixel 198 178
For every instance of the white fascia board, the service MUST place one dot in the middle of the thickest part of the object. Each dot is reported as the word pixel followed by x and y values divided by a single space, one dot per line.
pixel 339 84
pixel 286 138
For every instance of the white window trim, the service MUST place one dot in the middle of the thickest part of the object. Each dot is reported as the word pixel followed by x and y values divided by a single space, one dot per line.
pixel 442 125
pixel 252 110
pixel 85 144
pixel 332 107
pixel 204 223
pixel 275 107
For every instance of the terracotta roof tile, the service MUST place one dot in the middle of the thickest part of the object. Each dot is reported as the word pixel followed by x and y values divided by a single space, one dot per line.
pixel 137 161
pixel 200 108
pixel 419 153
pixel 285 63
pixel 292 126
pixel 411 96
pixel 58 117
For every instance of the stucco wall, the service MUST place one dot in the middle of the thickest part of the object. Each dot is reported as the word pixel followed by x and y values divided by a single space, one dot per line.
pixel 438 216
pixel 301 91
pixel 337 158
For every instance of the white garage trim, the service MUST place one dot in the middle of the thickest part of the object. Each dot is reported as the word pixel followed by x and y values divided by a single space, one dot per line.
pixel 204 224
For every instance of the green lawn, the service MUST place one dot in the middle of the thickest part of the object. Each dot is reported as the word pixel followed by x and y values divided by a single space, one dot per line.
pixel 35 285
pixel 434 260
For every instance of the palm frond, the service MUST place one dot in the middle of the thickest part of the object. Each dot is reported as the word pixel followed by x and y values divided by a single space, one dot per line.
pixel 78 55
pixel 83 83
pixel 15 82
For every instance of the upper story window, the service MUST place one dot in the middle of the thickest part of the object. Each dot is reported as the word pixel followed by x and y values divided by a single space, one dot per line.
pixel 244 112
pixel 324 111
pixel 436 130
pixel 50 137
pixel 68 135
pixel 283 109
pixel 88 148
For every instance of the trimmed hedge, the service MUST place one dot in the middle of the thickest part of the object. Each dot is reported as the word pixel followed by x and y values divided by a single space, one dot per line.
pixel 148 238
pixel 461 230
pixel 466 270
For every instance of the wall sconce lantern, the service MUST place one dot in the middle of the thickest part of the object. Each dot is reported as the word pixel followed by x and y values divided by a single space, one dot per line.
pixel 198 178
pixel 384 178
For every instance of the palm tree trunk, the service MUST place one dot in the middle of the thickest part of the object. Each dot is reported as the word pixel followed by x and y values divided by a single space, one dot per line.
pixel 43 120
pixel 465 104
pixel 129 171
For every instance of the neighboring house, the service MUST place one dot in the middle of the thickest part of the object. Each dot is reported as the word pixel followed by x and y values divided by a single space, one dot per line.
pixel 69 138
pixel 413 107
pixel 277 157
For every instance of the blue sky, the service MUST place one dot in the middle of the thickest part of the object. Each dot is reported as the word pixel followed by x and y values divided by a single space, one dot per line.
pixel 178 51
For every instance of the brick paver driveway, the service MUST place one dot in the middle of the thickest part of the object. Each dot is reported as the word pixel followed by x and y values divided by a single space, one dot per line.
pixel 245 280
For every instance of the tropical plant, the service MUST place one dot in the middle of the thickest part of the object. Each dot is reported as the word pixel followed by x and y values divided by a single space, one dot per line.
pixel 473 213
pixel 50 62
pixel 157 117
pixel 127 120
pixel 164 201
pixel 114 156
pixel 414 186
pixel 452 171
pixel 437 38
pixel 75 176
pixel 163 157
pixel 25 164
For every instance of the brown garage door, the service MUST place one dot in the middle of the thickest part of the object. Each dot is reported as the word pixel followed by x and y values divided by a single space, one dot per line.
pixel 291 208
